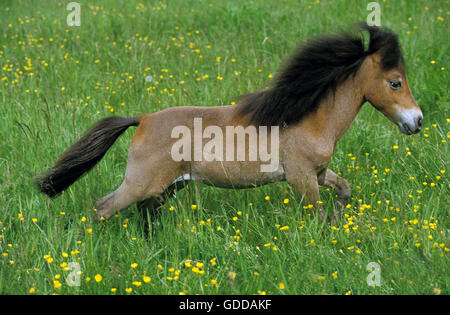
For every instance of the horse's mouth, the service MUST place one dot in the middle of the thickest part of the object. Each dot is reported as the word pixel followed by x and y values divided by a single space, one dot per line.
pixel 406 129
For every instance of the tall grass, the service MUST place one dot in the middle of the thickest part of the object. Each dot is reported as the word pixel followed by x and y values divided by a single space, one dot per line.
pixel 58 80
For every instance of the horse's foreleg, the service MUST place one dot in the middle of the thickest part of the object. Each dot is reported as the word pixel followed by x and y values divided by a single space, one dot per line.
pixel 307 186
pixel 340 186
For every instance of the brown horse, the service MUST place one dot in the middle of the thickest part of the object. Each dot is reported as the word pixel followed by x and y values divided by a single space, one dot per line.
pixel 313 101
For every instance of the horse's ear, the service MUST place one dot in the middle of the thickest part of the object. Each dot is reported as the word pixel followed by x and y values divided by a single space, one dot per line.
pixel 366 30
pixel 384 42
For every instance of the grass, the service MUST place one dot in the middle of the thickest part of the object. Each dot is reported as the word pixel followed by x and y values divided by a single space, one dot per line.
pixel 58 80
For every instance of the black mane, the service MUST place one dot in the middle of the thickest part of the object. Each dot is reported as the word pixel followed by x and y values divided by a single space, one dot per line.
pixel 315 70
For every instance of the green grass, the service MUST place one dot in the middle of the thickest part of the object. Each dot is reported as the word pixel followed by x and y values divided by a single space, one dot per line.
pixel 57 80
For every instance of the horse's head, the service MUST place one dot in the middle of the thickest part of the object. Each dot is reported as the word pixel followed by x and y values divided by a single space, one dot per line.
pixel 386 86
pixel 389 92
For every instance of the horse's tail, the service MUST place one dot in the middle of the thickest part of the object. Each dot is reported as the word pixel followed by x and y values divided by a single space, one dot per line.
pixel 84 154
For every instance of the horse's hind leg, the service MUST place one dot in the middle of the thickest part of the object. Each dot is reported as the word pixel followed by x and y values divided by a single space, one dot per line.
pixel 126 195
pixel 145 177
pixel 119 199
pixel 151 206
pixel 341 187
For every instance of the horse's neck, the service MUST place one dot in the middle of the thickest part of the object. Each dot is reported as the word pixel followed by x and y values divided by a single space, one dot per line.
pixel 336 113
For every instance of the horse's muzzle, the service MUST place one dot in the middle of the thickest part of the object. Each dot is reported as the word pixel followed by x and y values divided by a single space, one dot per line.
pixel 410 121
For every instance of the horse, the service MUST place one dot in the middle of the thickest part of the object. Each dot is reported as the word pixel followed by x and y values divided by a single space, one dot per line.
pixel 309 106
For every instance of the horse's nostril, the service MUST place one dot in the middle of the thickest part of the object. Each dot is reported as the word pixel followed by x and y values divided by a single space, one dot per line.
pixel 419 122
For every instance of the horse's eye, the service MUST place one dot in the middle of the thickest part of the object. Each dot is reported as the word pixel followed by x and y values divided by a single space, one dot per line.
pixel 395 84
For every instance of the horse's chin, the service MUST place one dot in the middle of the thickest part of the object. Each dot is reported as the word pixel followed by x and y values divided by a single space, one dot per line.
pixel 405 130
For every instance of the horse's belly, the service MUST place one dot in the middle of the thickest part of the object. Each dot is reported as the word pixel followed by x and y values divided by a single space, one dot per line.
pixel 233 174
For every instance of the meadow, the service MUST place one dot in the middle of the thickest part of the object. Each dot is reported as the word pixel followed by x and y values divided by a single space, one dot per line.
pixel 131 57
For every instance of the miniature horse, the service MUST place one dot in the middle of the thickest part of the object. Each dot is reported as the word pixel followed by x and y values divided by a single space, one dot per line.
pixel 313 101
